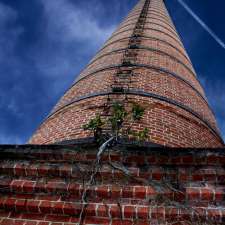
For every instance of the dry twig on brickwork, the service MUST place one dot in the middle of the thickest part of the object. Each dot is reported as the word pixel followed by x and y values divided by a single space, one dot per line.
pixel 95 170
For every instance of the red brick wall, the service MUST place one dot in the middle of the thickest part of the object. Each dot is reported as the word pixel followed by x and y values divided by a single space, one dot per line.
pixel 44 185
pixel 161 69
pixel 168 125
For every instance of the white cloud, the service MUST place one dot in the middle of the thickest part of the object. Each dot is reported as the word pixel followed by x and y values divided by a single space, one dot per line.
pixel 70 36
pixel 67 23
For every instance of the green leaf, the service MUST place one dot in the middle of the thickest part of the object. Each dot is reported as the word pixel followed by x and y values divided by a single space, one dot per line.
pixel 143 135
pixel 94 124
pixel 137 112
pixel 119 113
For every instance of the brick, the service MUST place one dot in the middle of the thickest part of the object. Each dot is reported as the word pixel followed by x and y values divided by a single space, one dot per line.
pixel 151 192
pixel 43 170
pixel 184 177
pixel 176 160
pixel 115 192
pixel 189 160
pixel 172 214
pixel 151 159
pixel 103 192
pixel 143 213
pixel 4 214
pixel 214 214
pixel 74 220
pixel 184 214
pixel 60 187
pixel 57 207
pixel 157 175
pixel 4 184
pixel 91 156
pixel 129 212
pixel 2 202
pixel 115 157
pixel 140 192
pixel 33 206
pixel 32 216
pixel 19 170
pixel 17 185
pixel 158 213
pixel 197 177
pixel 74 189
pixel 222 160
pixel 212 159
pixel 206 194
pixel 93 220
pixel 31 170
pixel 7 222
pixel 39 187
pixel 21 205
pixel 57 218
pixel 19 222
pixel 45 207
pixel 51 186
pixel 116 211
pixel 28 186
pixel 31 223
pixel 219 195
pixel 122 222
pixel 163 159
pixel 127 192
pixel 66 171
pixel 193 194
pixel 71 209
pixel 91 210
pixel 48 197
pixel 139 160
pixel 14 215
pixel 143 223
pixel 199 213
pixel 7 168
pixel 9 204
pixel 103 211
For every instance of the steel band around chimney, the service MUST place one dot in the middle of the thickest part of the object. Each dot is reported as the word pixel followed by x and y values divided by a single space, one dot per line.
pixel 160 69
pixel 169 30
pixel 143 94
pixel 147 49
pixel 151 18
pixel 176 40
pixel 149 38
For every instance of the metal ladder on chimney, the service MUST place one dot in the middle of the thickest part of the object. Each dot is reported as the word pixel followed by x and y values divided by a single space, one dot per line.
pixel 123 76
pixel 122 80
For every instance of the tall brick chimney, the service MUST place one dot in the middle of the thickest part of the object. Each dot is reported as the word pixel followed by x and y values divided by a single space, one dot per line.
pixel 144 61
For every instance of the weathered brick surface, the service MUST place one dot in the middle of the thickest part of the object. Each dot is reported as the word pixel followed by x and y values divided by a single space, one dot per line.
pixel 162 181
pixel 177 112
pixel 181 125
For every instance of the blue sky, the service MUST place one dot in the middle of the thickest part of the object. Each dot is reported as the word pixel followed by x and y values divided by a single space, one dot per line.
pixel 44 44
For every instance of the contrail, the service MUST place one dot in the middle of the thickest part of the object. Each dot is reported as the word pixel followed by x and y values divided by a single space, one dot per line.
pixel 215 37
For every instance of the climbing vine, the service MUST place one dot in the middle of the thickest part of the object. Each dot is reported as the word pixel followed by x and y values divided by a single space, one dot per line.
pixel 121 121
pixel 119 115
